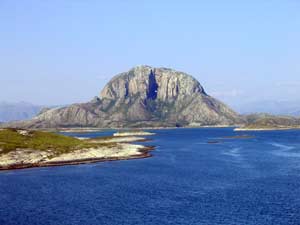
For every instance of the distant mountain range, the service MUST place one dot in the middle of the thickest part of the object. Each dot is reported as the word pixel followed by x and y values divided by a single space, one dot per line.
pixel 24 110
pixel 18 111
pixel 151 97
pixel 291 108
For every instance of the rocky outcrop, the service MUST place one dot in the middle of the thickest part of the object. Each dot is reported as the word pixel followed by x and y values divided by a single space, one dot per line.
pixel 27 148
pixel 142 97
pixel 269 122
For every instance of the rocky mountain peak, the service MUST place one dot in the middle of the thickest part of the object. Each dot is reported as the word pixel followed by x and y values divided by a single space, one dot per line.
pixel 144 96
pixel 153 83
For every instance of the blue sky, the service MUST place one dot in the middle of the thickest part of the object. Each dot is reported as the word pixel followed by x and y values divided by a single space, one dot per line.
pixel 59 52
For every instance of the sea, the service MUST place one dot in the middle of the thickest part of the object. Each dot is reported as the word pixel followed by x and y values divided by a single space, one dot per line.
pixel 195 176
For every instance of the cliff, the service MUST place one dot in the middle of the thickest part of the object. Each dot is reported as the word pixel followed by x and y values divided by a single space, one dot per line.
pixel 142 97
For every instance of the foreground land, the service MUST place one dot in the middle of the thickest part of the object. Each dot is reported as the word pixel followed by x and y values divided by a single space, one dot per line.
pixel 25 148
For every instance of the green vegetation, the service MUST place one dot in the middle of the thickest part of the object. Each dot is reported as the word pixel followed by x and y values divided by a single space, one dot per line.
pixel 11 139
pixel 269 122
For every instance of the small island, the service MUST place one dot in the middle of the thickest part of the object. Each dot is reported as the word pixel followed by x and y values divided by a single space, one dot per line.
pixel 31 148
pixel 266 122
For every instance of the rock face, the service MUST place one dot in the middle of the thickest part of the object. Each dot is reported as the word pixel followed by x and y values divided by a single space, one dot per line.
pixel 142 97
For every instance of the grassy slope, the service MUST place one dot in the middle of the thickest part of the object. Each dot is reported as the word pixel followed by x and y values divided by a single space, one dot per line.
pixel 273 122
pixel 11 139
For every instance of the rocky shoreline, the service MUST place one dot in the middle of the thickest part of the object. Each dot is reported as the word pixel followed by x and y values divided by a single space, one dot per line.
pixel 140 129
pixel 144 153
pixel 102 149
pixel 266 129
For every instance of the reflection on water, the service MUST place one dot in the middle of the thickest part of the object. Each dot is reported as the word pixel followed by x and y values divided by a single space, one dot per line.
pixel 286 150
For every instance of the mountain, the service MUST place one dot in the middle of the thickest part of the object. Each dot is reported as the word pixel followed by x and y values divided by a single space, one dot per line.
pixel 269 122
pixel 17 111
pixel 142 97
pixel 296 113
pixel 275 107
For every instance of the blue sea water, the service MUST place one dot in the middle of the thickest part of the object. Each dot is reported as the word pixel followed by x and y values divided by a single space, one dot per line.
pixel 187 181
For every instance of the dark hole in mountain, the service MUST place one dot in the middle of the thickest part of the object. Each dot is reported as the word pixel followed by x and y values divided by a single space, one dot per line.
pixel 152 93
pixel 126 89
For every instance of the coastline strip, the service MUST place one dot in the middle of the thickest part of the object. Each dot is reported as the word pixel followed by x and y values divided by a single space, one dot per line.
pixel 145 153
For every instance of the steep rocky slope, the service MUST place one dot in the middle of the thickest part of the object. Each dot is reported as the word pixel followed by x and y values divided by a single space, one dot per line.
pixel 142 97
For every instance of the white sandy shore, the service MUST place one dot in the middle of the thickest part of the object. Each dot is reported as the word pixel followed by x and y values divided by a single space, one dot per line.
pixel 80 130
pixel 118 139
pixel 133 133
pixel 265 129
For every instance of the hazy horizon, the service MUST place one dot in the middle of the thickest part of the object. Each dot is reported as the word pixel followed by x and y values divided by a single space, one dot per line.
pixel 61 52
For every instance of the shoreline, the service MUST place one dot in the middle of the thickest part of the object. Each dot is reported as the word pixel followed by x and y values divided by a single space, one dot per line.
pixel 267 129
pixel 93 129
pixel 80 130
pixel 56 153
pixel 145 153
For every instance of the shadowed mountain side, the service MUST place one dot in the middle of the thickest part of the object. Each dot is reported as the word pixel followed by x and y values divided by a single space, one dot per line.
pixel 142 97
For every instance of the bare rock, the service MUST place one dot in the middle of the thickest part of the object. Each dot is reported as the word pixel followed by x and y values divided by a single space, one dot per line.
pixel 142 97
